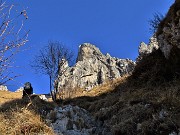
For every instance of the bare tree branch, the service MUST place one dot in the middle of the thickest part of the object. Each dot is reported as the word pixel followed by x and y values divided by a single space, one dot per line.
pixel 12 37
pixel 154 23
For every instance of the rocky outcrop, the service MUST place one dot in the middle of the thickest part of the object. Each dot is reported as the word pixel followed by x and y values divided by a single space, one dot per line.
pixel 3 88
pixel 73 120
pixel 43 97
pixel 92 68
pixel 20 89
pixel 168 33
pixel 145 49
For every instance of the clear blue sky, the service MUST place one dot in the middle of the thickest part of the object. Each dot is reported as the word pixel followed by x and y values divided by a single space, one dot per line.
pixel 117 27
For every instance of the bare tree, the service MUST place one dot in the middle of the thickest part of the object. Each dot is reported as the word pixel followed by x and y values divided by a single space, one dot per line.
pixel 49 62
pixel 12 37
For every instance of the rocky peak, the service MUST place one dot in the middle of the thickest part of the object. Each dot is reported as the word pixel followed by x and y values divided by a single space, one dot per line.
pixel 92 68
pixel 88 51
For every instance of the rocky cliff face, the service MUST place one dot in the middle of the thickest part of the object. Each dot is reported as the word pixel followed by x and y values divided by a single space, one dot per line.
pixel 92 68
pixel 168 33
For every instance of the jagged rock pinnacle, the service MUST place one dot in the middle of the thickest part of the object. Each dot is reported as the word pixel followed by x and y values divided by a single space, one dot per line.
pixel 93 68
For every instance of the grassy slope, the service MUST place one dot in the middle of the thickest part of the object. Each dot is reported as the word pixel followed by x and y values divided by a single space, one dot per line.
pixel 7 96
pixel 23 116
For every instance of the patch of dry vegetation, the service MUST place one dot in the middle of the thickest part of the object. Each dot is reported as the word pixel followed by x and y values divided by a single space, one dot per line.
pixel 106 87
pixel 25 116
pixel 23 122
pixel 7 96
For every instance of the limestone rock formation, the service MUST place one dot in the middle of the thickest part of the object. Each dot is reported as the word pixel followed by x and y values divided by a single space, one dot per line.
pixel 73 120
pixel 92 68
pixel 3 88
pixel 168 34
pixel 145 49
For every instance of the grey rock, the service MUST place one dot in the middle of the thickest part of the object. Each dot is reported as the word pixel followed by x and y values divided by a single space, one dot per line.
pixel 72 120
pixel 169 36
pixel 43 97
pixel 145 49
pixel 92 68
pixel 3 88
pixel 173 133
pixel 163 114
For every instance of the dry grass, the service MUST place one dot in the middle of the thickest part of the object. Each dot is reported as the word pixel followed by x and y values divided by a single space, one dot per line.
pixel 23 122
pixel 70 93
pixel 106 87
pixel 7 96
pixel 24 116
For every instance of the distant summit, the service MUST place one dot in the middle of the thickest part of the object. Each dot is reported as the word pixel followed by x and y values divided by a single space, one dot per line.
pixel 92 68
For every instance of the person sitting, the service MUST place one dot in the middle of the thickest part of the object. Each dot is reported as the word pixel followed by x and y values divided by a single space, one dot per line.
pixel 28 90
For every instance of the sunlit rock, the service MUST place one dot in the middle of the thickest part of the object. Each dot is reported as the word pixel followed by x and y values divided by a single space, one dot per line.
pixel 92 68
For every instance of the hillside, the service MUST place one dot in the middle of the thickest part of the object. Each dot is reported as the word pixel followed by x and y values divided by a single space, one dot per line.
pixel 7 96
pixel 133 108
pixel 146 102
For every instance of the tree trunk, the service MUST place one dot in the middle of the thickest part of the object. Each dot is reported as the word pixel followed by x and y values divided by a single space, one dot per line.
pixel 53 92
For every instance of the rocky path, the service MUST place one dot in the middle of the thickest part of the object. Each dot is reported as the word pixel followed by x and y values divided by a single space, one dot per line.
pixel 73 120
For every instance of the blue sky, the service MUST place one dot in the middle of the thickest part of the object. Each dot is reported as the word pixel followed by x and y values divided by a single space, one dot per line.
pixel 116 27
